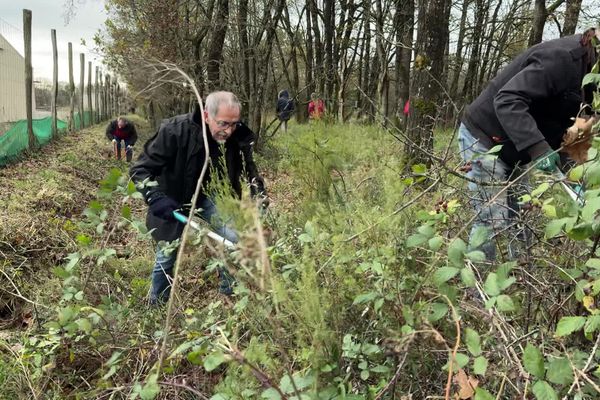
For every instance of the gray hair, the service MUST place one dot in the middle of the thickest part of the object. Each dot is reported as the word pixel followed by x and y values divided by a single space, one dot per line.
pixel 216 99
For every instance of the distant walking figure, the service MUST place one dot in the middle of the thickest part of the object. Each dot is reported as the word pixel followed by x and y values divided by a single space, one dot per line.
pixel 285 108
pixel 316 107
pixel 122 130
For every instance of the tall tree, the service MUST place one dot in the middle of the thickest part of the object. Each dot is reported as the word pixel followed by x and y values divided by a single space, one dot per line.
pixel 427 86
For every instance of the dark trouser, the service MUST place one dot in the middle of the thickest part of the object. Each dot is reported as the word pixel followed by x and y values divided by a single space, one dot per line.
pixel 162 273
pixel 128 150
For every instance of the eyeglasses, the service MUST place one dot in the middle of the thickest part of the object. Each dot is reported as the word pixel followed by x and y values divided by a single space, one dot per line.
pixel 225 124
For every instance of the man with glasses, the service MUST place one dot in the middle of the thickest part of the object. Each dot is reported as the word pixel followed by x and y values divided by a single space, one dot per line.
pixel 174 158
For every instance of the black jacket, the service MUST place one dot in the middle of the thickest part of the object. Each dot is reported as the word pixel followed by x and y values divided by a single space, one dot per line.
pixel 174 158
pixel 285 106
pixel 129 130
pixel 528 106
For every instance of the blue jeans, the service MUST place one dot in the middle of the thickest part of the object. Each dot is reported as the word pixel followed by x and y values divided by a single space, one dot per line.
pixel 162 273
pixel 499 215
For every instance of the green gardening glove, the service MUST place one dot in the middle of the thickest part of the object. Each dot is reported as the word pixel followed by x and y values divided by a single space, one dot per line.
pixel 548 162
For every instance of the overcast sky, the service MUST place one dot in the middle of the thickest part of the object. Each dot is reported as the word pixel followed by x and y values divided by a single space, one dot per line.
pixel 50 14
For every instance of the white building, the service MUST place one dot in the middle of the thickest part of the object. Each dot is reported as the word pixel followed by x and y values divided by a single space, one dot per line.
pixel 12 83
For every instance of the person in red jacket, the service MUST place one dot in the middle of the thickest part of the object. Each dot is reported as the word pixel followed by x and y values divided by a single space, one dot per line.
pixel 316 107
pixel 122 130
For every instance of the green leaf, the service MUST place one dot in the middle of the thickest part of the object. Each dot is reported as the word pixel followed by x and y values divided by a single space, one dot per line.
pixel 84 324
pixel 591 78
pixel 581 231
pixel 437 311
pixel 482 394
pixel 479 236
pixel 213 360
pixel 271 394
pixel 590 208
pixel 456 252
pixel 505 303
pixel 549 210
pixel 305 238
pixel 480 365
pixel 533 361
pixel 426 230
pixel 560 371
pixel 491 286
pixel 576 173
pixel 592 324
pixel 467 276
pixel 436 242
pixel 537 192
pixel 568 325
pixel 473 341
pixel 554 227
pixel 543 391
pixel 475 256
pixel 419 169
pixel 126 211
pixel 415 240
pixel 301 382
pixel 364 298
pixel 380 369
pixel 495 149
pixel 150 389
pixel 444 274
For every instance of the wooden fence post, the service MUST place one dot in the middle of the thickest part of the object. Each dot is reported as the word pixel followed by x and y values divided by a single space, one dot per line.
pixel 54 83
pixel 28 77
pixel 89 93
pixel 71 90
pixel 96 98
pixel 81 87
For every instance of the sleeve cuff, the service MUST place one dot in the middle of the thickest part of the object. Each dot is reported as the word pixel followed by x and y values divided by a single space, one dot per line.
pixel 538 149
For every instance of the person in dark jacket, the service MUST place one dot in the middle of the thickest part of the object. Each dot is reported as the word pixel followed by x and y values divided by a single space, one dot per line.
pixel 119 130
pixel 285 108
pixel 174 158
pixel 526 108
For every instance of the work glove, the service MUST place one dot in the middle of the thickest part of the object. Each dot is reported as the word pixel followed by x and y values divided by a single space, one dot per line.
pixel 114 140
pixel 163 207
pixel 548 162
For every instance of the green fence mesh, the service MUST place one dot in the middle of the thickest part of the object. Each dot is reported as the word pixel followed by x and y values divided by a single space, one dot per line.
pixel 15 140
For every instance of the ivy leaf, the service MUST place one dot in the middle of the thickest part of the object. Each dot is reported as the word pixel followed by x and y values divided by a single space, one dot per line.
pixel 444 274
pixel 560 371
pixel 568 325
pixel 426 230
pixel 543 391
pixel 533 361
pixel 473 342
pixel 576 173
pixel 480 365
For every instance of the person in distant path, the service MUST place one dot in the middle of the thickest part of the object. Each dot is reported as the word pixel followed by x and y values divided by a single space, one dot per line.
pixel 122 130
pixel 526 108
pixel 316 107
pixel 285 108
pixel 173 157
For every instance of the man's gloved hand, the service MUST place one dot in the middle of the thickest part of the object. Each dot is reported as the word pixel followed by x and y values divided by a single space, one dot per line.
pixel 163 207
pixel 114 140
pixel 548 162
pixel 264 202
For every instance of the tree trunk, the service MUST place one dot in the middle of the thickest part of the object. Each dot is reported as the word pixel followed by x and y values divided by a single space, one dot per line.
pixel 405 10
pixel 571 17
pixel 458 63
pixel 429 67
pixel 308 70
pixel 215 50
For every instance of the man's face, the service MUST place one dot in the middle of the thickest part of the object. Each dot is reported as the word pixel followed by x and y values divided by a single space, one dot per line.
pixel 223 124
pixel 121 124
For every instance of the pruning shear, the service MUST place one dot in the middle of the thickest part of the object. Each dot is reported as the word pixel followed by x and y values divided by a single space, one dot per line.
pixel 575 194
pixel 216 237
